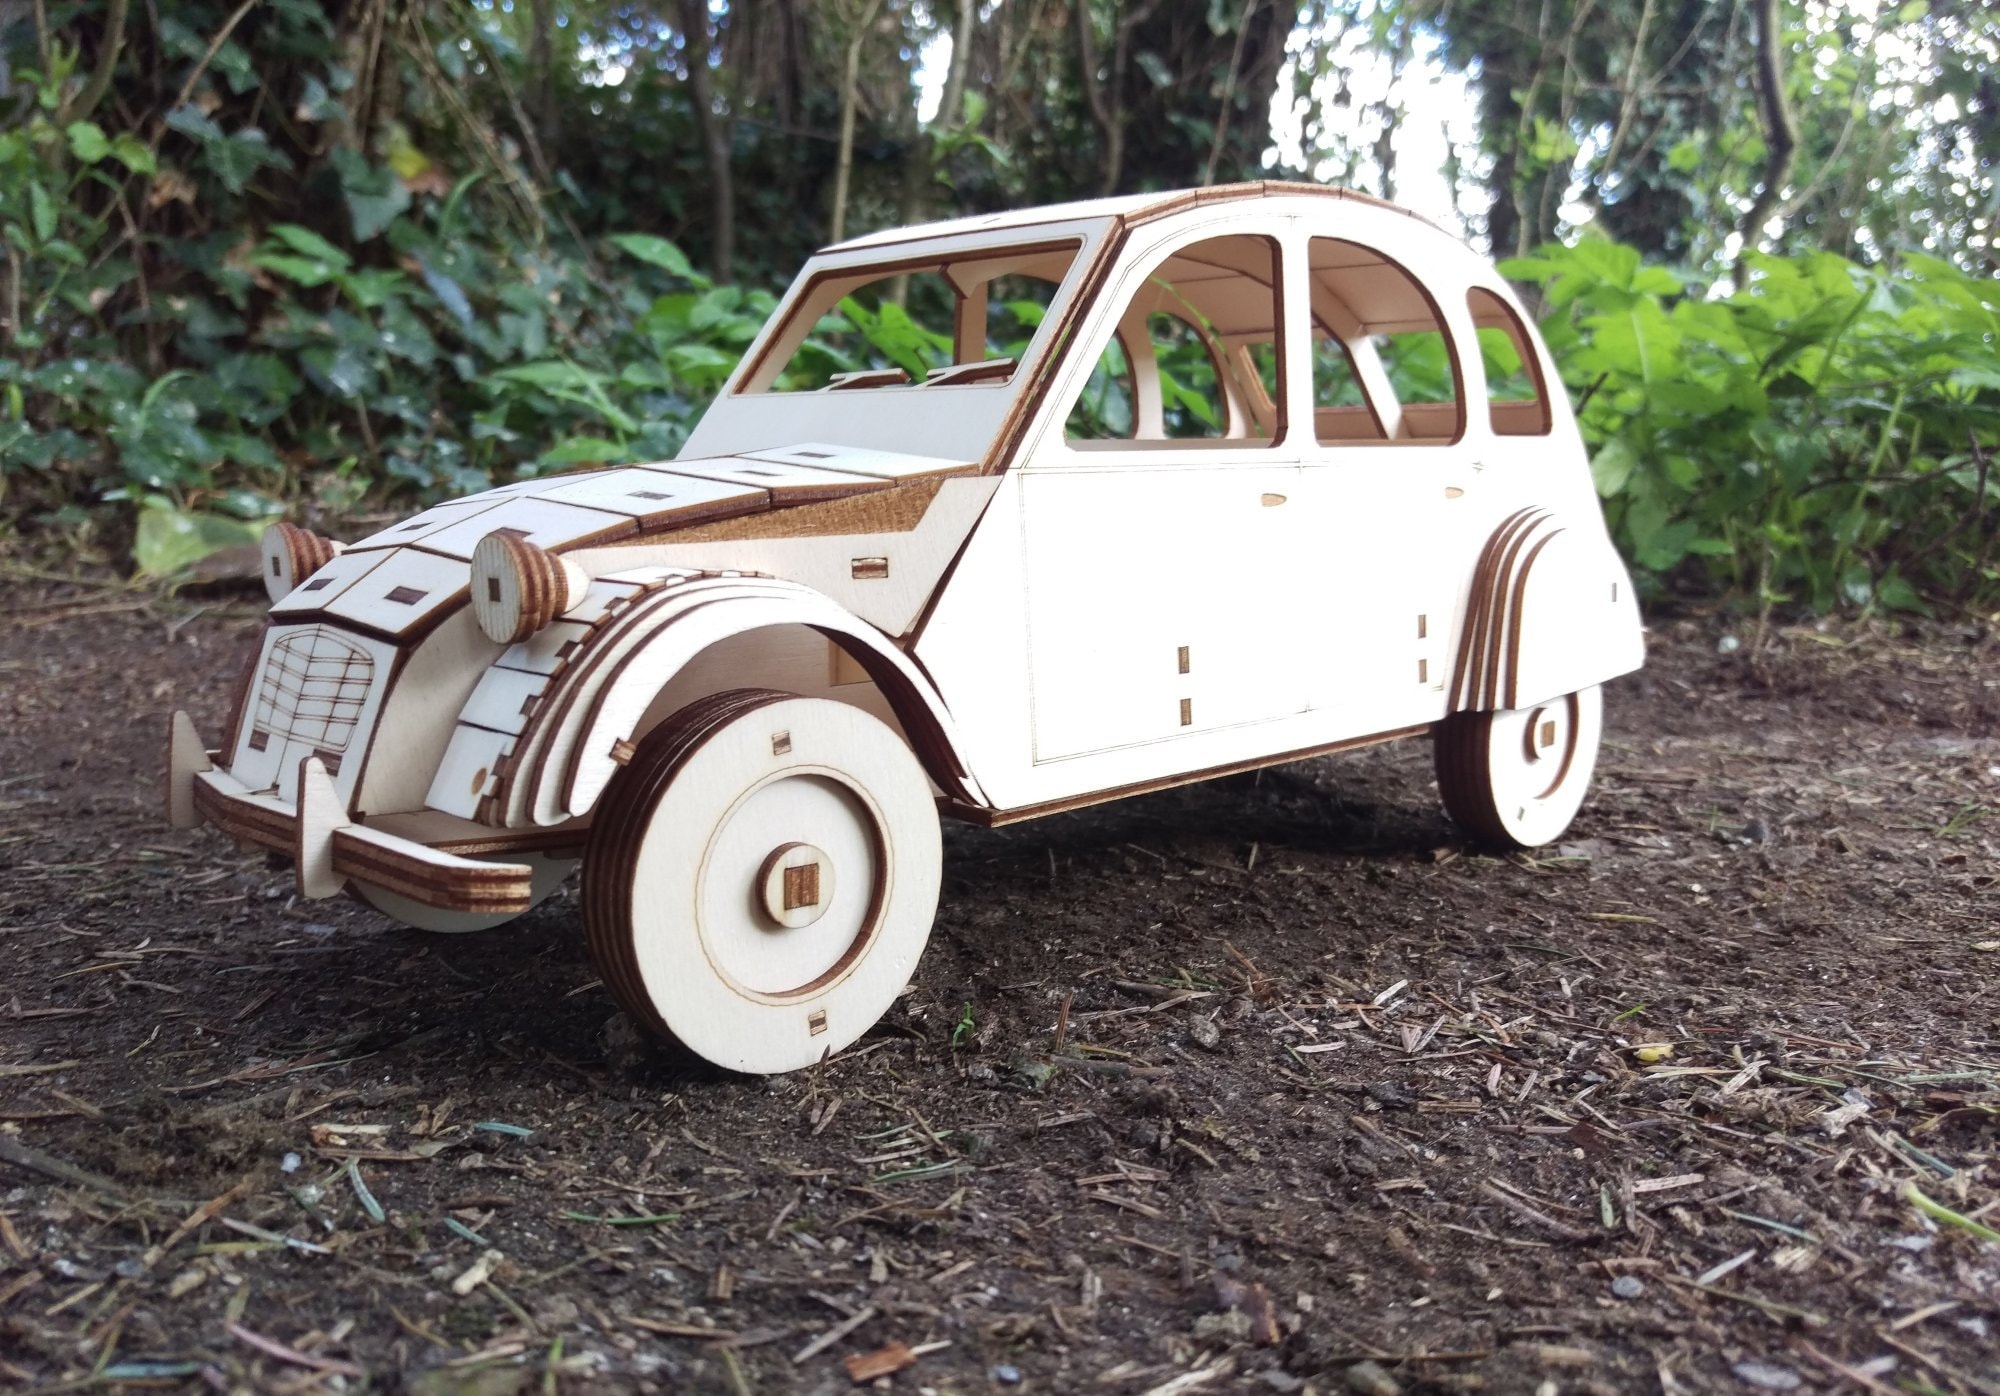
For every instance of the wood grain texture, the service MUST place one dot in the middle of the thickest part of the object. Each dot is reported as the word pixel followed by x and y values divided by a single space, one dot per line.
pixel 1517 777
pixel 686 847
pixel 442 880
pixel 319 814
pixel 518 588
pixel 290 555
pixel 186 759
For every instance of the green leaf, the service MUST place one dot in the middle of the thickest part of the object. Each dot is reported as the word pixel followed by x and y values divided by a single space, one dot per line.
pixel 171 539
pixel 585 450
pixel 375 197
pixel 1612 466
pixel 556 373
pixel 310 244
pixel 42 210
pixel 303 271
pixel 655 251
pixel 191 121
pixel 87 142
pixel 133 153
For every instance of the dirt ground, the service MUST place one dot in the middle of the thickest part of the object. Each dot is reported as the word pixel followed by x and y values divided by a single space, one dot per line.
pixel 1337 1103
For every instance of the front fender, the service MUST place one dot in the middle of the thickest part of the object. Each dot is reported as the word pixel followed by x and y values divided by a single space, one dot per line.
pixel 1551 612
pixel 571 725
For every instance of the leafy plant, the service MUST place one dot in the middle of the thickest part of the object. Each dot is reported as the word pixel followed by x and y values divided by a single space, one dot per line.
pixel 1811 438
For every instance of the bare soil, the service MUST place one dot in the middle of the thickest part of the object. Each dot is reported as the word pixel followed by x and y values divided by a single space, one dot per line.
pixel 1267 1085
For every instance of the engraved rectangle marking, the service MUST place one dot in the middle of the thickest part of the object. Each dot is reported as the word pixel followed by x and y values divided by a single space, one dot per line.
pixel 781 742
pixel 1187 712
pixel 1423 671
pixel 259 739
pixel 406 596
pixel 321 583
pixel 802 886
pixel 816 1022
pixel 1423 626
pixel 1182 657
pixel 493 590
pixel 870 569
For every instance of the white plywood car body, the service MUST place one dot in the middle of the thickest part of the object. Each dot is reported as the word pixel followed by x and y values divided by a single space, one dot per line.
pixel 1262 471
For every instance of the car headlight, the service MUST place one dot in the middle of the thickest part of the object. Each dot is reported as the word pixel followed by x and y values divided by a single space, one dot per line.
pixel 291 554
pixel 517 588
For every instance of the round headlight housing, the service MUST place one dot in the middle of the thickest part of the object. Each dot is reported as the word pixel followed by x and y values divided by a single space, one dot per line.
pixel 290 555
pixel 517 587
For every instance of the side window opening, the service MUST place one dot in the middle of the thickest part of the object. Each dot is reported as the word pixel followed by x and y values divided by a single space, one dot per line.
pixel 1517 399
pixel 1419 366
pixel 1384 367
pixel 1195 357
pixel 1192 403
pixel 1103 411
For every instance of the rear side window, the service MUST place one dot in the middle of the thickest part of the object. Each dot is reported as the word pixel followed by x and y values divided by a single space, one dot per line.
pixel 1383 367
pixel 1517 399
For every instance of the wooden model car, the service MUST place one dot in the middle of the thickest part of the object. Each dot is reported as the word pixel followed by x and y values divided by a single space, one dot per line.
pixel 998 517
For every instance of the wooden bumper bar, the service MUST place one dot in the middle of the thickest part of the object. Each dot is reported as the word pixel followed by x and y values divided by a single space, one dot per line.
pixel 399 865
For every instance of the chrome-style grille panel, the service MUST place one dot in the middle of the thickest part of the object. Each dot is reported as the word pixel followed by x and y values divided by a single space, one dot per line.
pixel 314 686
pixel 317 692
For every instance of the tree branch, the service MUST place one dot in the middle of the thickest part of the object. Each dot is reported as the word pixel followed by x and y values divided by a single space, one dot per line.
pixel 1781 136
pixel 1228 94
pixel 110 46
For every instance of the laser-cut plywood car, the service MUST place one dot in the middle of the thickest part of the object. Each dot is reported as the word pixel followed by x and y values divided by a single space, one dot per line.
pixel 998 517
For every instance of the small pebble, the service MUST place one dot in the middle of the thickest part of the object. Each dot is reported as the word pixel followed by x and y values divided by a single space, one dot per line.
pixel 1627 1287
pixel 289 1163
pixel 1205 1034
pixel 1371 1379
pixel 1767 1376
pixel 1007 1374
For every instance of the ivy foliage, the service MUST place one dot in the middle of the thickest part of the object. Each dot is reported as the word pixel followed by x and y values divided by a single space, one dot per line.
pixel 287 267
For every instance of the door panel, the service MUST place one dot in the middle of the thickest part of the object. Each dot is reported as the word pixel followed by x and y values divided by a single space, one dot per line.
pixel 1163 601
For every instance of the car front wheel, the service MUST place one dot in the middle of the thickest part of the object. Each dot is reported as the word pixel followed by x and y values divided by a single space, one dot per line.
pixel 761 878
pixel 1517 777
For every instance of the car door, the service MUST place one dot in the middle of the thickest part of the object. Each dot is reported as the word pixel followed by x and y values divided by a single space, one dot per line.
pixel 1161 540
pixel 1391 482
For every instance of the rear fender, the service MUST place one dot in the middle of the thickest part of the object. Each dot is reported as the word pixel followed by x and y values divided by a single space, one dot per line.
pixel 1551 612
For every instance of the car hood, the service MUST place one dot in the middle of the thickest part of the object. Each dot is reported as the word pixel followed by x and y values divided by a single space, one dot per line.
pixel 400 580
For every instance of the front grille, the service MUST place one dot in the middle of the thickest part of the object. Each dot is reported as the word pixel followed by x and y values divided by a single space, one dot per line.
pixel 312 690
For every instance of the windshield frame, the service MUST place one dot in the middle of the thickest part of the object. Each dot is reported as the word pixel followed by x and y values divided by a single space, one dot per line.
pixel 958 421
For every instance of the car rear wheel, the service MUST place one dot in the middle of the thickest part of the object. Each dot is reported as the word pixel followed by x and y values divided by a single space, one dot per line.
pixel 761 878
pixel 1517 777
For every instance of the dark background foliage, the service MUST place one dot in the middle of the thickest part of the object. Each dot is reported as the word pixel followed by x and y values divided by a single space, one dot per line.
pixel 299 254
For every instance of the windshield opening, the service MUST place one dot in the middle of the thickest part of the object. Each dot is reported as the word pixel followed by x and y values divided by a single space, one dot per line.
pixel 959 321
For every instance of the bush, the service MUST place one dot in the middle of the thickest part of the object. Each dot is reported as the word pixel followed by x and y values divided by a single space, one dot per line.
pixel 1809 438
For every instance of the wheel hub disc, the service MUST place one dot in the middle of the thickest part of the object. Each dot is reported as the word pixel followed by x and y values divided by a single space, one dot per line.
pixel 779 922
pixel 796 885
pixel 1549 745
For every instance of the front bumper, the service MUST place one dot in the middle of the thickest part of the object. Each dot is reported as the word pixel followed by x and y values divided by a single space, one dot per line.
pixel 329 850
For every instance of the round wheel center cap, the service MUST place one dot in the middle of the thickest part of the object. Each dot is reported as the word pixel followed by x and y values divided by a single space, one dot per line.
pixel 1543 734
pixel 795 884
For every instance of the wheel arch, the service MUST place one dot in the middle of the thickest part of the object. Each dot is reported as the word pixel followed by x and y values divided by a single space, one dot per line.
pixel 1551 611
pixel 624 684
